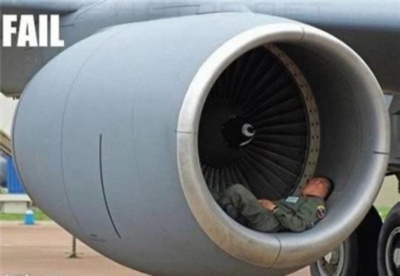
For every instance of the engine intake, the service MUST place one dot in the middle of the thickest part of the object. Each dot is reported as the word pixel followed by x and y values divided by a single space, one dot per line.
pixel 326 137
pixel 258 126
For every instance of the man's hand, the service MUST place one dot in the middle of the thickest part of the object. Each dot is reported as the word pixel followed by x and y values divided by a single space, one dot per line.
pixel 267 204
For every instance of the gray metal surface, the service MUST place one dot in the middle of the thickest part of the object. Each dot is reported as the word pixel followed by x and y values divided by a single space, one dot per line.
pixel 116 160
pixel 394 113
pixel 41 6
pixel 135 109
pixel 370 27
pixel 350 152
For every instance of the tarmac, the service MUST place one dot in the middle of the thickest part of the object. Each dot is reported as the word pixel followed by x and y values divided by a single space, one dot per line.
pixel 44 249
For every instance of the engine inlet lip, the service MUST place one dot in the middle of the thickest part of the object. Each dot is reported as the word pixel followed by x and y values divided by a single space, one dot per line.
pixel 256 248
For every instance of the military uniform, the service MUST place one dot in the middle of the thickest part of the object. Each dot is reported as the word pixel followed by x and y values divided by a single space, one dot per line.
pixel 291 214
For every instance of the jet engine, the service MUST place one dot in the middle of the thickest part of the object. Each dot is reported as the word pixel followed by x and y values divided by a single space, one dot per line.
pixel 121 137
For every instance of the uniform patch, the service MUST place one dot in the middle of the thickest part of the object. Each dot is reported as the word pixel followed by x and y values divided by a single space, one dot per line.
pixel 292 199
pixel 321 212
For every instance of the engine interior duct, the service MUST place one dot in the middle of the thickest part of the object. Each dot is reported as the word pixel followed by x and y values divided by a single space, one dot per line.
pixel 155 120
pixel 260 126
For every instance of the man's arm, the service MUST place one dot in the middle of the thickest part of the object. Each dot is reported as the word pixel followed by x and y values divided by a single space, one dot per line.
pixel 267 204
pixel 294 221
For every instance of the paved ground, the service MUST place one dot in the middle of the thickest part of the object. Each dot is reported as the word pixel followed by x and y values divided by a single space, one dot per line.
pixel 389 194
pixel 43 250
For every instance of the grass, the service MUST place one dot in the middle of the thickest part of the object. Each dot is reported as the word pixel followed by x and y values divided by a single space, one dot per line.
pixel 39 216
pixel 383 211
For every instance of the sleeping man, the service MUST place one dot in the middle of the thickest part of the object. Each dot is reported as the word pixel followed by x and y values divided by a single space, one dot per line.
pixel 294 213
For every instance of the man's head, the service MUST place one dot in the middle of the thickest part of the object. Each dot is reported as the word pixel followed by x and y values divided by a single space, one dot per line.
pixel 318 186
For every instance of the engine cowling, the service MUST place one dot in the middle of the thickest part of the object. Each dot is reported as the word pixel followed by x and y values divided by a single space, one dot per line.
pixel 119 137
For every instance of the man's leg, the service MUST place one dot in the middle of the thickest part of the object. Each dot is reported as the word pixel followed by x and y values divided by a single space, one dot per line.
pixel 238 199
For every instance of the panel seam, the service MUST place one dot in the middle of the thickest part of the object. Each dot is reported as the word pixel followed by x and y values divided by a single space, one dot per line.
pixel 102 185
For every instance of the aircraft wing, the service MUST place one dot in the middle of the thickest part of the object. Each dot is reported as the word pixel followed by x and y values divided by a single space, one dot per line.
pixel 382 15
pixel 42 6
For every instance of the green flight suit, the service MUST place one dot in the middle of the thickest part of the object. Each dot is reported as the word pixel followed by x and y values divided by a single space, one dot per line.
pixel 292 214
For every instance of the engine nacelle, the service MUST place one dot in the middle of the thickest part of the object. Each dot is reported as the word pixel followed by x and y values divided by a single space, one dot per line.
pixel 119 137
